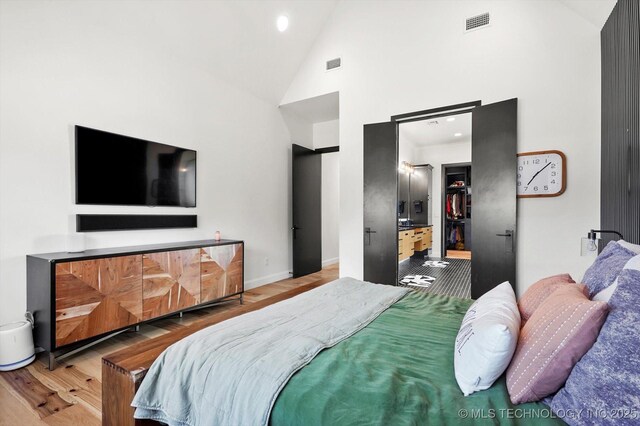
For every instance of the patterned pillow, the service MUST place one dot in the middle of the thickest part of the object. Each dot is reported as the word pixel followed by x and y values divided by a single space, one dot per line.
pixel 486 340
pixel 556 336
pixel 607 267
pixel 606 381
pixel 538 292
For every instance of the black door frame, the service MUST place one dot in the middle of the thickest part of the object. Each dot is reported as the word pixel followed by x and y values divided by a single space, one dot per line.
pixel 445 111
pixel 427 114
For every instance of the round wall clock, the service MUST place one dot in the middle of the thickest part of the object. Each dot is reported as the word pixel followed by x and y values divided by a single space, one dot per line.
pixel 541 174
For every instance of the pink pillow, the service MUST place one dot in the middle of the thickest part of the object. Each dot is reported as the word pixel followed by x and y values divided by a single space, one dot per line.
pixel 558 334
pixel 538 292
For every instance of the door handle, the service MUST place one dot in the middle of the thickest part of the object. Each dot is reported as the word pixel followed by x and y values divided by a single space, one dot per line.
pixel 368 231
pixel 508 242
pixel 294 229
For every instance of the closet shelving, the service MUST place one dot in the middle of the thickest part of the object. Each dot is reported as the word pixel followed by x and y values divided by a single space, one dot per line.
pixel 457 208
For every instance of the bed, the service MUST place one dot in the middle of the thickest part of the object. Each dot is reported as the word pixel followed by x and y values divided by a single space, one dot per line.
pixel 416 385
pixel 396 370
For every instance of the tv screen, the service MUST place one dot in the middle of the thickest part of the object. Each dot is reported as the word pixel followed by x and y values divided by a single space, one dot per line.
pixel 120 170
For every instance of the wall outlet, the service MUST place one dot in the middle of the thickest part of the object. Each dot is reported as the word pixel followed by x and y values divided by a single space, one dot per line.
pixel 266 261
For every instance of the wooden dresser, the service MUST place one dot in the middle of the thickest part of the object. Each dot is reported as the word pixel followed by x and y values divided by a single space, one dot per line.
pixel 80 298
pixel 413 240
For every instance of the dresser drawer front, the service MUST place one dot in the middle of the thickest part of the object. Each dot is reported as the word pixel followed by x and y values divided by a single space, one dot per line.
pixel 221 270
pixel 170 282
pixel 93 297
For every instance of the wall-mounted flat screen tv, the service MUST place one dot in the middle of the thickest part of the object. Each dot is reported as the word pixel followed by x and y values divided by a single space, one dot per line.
pixel 113 169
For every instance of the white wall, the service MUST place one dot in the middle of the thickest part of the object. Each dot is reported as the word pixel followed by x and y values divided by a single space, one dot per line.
pixel 327 134
pixel 437 155
pixel 413 55
pixel 406 151
pixel 67 63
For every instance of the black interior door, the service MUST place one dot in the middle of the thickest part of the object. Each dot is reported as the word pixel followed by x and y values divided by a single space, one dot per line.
pixel 381 203
pixel 307 214
pixel 494 155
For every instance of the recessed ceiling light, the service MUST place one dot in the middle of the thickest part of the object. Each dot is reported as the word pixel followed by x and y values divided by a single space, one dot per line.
pixel 282 23
pixel 457 134
pixel 451 119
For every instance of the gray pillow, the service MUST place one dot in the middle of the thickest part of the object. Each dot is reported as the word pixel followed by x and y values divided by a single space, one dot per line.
pixel 604 386
pixel 606 267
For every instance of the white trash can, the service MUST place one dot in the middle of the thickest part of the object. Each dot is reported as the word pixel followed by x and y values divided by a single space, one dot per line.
pixel 16 345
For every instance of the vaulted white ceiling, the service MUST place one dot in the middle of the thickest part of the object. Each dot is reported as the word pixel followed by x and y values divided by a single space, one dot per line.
pixel 594 11
pixel 236 41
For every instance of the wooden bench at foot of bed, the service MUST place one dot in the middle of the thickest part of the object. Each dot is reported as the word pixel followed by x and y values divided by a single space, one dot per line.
pixel 123 371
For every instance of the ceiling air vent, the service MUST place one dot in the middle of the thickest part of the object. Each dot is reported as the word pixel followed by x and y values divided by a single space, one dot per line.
pixel 477 22
pixel 333 64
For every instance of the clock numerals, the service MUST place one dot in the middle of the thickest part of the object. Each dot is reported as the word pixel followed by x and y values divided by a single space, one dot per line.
pixel 541 174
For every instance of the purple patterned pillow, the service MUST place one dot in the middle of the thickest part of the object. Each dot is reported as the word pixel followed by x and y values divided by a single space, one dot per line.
pixel 606 268
pixel 605 383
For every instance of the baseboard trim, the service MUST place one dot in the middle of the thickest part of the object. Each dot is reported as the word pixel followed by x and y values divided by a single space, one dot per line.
pixel 330 261
pixel 270 279
pixel 258 282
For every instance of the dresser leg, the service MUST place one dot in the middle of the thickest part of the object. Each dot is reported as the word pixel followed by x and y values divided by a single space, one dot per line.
pixel 52 361
pixel 242 298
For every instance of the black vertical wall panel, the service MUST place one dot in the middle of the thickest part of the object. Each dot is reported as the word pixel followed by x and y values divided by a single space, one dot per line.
pixel 620 168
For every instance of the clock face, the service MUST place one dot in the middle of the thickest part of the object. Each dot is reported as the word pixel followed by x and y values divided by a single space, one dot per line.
pixel 541 174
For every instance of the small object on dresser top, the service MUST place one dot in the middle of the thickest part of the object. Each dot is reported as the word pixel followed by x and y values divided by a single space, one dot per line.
pixel 76 243
pixel 217 236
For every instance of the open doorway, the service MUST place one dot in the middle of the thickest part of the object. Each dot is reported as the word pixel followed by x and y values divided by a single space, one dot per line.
pixel 435 155
pixel 456 210
pixel 494 233
pixel 315 202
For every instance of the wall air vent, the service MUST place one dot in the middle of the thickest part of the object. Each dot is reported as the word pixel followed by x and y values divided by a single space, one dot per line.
pixel 333 64
pixel 477 22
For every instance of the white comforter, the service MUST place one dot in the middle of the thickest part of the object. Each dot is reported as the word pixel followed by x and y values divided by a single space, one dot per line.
pixel 231 373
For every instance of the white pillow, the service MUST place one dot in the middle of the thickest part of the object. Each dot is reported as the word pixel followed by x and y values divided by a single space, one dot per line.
pixel 633 247
pixel 487 339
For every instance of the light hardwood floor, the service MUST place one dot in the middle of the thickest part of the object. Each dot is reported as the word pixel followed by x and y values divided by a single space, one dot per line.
pixel 72 393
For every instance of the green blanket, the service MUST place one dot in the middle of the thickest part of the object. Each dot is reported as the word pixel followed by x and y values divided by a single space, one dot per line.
pixel 398 371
